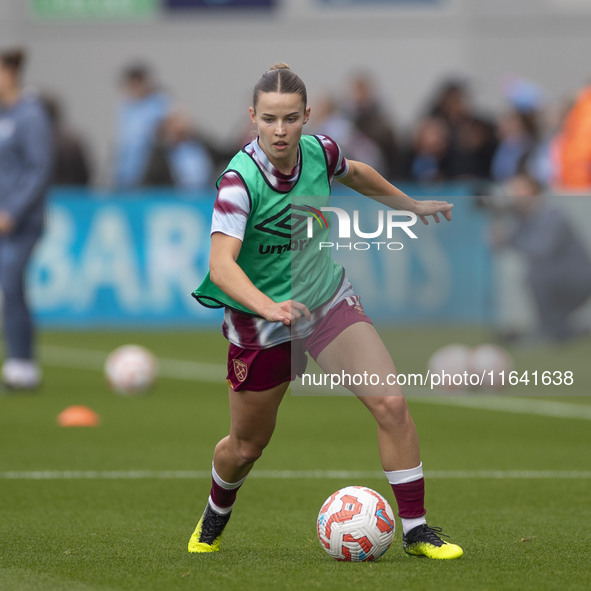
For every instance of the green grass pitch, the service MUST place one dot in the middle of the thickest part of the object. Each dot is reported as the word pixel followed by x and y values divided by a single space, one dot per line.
pixel 512 488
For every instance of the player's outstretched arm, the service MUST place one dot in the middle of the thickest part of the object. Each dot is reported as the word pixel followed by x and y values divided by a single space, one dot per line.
pixel 225 272
pixel 367 181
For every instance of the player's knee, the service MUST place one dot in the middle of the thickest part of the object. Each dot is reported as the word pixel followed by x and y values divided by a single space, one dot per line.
pixel 249 452
pixel 392 410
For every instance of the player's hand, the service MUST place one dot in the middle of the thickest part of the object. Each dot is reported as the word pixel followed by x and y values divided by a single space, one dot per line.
pixel 433 208
pixel 6 223
pixel 288 312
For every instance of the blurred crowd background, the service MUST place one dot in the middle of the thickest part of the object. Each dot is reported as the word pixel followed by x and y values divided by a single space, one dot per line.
pixel 159 141
pixel 425 90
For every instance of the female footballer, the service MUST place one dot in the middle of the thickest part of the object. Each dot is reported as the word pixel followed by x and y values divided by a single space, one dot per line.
pixel 271 318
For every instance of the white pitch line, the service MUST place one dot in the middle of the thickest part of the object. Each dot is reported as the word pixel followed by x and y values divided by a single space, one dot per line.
pixel 545 408
pixel 292 474
pixel 168 368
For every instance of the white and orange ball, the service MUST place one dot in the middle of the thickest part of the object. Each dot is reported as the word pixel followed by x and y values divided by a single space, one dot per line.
pixel 131 369
pixel 355 524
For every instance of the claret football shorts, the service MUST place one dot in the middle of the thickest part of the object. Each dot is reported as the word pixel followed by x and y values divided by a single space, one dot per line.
pixel 262 369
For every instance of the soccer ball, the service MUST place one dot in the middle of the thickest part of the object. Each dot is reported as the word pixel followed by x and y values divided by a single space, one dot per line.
pixel 491 358
pixel 130 369
pixel 451 360
pixel 355 524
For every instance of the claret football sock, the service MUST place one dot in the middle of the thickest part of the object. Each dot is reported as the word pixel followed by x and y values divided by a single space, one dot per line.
pixel 409 489
pixel 223 494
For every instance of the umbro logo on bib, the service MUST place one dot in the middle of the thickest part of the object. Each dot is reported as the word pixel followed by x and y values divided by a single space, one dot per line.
pixel 291 220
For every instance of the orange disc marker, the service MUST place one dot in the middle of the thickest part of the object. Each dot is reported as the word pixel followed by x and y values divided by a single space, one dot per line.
pixel 78 416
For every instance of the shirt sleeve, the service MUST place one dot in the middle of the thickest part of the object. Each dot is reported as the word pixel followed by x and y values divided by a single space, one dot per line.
pixel 231 207
pixel 338 166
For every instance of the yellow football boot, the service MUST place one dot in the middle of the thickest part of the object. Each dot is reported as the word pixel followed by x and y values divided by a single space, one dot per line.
pixel 425 541
pixel 208 533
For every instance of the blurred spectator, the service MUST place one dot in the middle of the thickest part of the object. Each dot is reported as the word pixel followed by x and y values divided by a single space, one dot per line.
pixel 523 95
pixel 542 162
pixel 573 146
pixel 558 266
pixel 527 97
pixel 428 158
pixel 475 145
pixel 26 155
pixel 329 119
pixel 471 136
pixel 139 116
pixel 369 116
pixel 70 154
pixel 518 134
pixel 451 103
pixel 178 157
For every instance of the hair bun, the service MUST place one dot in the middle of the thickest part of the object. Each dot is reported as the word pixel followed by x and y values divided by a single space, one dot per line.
pixel 279 66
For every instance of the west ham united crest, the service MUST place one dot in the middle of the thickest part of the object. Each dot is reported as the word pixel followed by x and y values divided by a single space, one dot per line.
pixel 240 369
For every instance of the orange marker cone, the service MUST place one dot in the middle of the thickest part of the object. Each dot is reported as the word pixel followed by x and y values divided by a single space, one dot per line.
pixel 78 416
